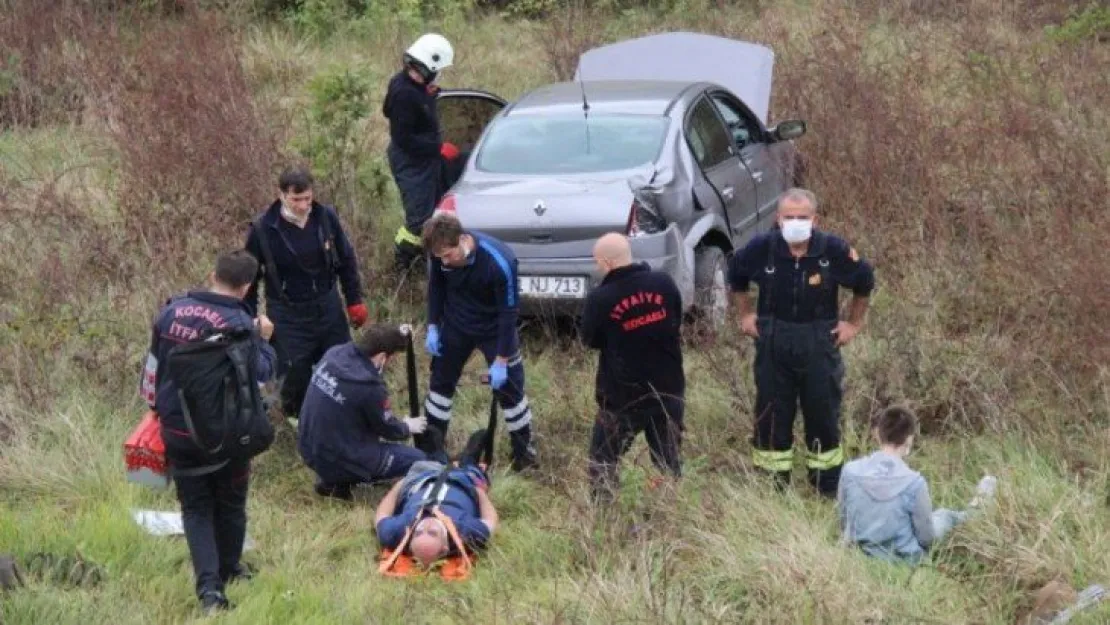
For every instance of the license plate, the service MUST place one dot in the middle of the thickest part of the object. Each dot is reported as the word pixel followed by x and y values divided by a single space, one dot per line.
pixel 553 286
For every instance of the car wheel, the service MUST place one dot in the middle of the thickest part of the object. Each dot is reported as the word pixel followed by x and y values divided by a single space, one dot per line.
pixel 710 286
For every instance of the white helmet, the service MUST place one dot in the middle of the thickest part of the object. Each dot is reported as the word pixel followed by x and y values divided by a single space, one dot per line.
pixel 432 51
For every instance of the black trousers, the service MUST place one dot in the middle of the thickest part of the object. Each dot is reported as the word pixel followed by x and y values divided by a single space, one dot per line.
pixel 214 512
pixel 661 421
pixel 302 333
pixel 457 347
pixel 420 182
pixel 798 364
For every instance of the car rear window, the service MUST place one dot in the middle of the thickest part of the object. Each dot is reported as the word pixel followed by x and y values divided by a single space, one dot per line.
pixel 534 144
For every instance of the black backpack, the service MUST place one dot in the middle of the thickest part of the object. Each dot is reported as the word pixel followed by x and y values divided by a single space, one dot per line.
pixel 220 399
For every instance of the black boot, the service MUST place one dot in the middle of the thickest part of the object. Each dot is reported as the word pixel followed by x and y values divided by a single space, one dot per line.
pixel 825 481
pixel 241 573
pixel 431 442
pixel 337 491
pixel 781 479
pixel 475 445
pixel 524 451
pixel 405 256
pixel 213 601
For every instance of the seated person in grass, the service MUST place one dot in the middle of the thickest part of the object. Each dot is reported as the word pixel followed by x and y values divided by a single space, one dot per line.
pixel 884 505
pixel 464 509
pixel 346 415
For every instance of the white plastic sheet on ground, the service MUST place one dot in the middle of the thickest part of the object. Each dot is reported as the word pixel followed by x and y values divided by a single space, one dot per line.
pixel 158 523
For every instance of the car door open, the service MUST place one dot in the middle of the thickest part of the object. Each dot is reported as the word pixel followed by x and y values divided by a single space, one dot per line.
pixel 463 116
pixel 748 139
pixel 713 149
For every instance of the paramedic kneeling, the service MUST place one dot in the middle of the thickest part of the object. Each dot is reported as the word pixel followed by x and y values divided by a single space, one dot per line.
pixel 463 503
pixel 347 411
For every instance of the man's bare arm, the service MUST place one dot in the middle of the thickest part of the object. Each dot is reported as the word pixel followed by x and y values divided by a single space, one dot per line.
pixel 857 310
pixel 388 504
pixel 487 511
pixel 743 302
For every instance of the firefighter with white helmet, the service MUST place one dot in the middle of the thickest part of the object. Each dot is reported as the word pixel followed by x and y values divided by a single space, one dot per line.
pixel 417 152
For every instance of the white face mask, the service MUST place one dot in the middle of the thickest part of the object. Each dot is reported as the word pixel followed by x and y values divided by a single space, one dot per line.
pixel 293 217
pixel 797 230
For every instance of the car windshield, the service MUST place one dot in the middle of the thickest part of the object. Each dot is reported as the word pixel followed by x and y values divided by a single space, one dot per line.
pixel 534 144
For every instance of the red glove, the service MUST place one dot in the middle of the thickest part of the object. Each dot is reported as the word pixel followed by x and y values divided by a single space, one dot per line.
pixel 449 151
pixel 358 314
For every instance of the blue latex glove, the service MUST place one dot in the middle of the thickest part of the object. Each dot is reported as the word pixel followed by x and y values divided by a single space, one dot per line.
pixel 431 342
pixel 498 374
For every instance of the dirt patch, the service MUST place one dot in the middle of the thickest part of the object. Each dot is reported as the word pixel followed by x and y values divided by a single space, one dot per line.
pixel 1050 599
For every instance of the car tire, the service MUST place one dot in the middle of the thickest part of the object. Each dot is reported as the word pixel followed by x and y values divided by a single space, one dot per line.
pixel 710 286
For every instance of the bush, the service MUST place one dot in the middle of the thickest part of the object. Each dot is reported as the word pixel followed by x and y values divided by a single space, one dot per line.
pixel 38 74
pixel 1092 23
pixel 337 141
pixel 189 158
pixel 196 153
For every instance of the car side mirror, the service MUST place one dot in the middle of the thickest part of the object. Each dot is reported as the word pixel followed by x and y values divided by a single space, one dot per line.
pixel 788 130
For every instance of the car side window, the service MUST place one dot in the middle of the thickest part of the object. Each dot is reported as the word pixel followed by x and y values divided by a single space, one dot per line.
pixel 742 128
pixel 708 138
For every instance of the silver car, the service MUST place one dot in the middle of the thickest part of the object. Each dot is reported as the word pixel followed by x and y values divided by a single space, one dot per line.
pixel 663 138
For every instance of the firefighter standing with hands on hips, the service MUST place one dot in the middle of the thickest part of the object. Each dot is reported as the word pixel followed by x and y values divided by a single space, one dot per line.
pixel 798 336
pixel 416 150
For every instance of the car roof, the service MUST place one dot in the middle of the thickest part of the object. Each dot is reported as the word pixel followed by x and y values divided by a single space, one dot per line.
pixel 643 97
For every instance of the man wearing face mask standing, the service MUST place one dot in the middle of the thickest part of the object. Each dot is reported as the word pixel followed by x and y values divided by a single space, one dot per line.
pixel 304 255
pixel 798 334
pixel 416 151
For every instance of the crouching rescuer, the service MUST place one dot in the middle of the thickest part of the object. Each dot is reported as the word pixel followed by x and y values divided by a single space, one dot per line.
pixel 207 358
pixel 347 412
pixel 798 336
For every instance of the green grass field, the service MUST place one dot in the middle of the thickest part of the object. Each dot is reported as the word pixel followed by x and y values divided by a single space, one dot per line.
pixel 925 133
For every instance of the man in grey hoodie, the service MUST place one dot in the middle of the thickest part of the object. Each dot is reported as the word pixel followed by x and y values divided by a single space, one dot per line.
pixel 884 505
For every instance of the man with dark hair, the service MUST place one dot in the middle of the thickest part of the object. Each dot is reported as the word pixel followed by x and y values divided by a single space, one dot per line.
pixel 347 411
pixel 798 335
pixel 634 317
pixel 213 497
pixel 884 505
pixel 417 154
pixel 472 304
pixel 304 253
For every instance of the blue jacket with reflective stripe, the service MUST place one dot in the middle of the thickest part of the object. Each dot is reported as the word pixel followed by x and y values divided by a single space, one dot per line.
pixel 479 299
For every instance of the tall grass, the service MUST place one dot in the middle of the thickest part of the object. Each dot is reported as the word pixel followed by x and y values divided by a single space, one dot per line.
pixel 955 145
